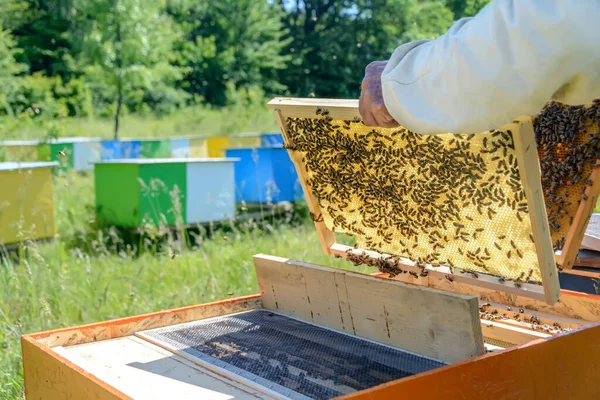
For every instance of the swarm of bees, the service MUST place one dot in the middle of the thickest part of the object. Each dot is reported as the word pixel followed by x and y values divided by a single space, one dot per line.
pixel 454 200
pixel 568 141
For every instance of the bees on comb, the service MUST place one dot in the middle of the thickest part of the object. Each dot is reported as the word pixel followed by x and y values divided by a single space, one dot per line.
pixel 439 200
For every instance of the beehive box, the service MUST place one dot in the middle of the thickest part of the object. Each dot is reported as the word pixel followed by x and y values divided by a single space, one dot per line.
pixel 156 148
pixel 120 149
pixel 18 150
pixel 265 175
pixel 271 139
pixel 71 153
pixel 217 146
pixel 249 347
pixel 243 140
pixel 26 202
pixel 130 193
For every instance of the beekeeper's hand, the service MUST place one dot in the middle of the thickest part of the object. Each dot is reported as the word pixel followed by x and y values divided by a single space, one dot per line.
pixel 371 106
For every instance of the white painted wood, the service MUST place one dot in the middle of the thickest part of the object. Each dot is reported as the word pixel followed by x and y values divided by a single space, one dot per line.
pixel 143 370
pixel 85 154
pixel 210 192
pixel 180 148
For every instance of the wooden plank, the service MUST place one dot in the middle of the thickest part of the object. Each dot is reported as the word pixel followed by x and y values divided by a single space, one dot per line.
pixel 584 307
pixel 529 290
pixel 575 235
pixel 344 109
pixel 587 258
pixel 543 317
pixel 51 376
pixel 127 326
pixel 326 237
pixel 510 334
pixel 562 367
pixel 142 370
pixel 529 170
pixel 433 323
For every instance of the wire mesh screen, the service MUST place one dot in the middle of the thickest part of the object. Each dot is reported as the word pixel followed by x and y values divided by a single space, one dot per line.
pixel 449 199
pixel 568 140
pixel 295 359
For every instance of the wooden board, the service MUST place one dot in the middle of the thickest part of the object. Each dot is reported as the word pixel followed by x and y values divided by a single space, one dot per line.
pixel 128 326
pixel 142 370
pixel 573 305
pixel 525 148
pixel 440 325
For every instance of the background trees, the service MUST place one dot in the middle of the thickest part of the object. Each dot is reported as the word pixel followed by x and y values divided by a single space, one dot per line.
pixel 109 57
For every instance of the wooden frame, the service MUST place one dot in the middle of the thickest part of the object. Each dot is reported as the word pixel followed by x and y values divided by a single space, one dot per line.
pixel 575 236
pixel 49 375
pixel 526 151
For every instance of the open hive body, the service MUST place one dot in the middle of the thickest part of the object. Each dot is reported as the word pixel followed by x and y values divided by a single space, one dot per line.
pixel 318 332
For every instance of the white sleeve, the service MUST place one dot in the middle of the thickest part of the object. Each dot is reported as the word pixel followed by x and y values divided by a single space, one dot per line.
pixel 507 61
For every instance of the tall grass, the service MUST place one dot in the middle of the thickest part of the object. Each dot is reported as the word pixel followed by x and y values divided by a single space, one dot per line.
pixel 197 120
pixel 83 276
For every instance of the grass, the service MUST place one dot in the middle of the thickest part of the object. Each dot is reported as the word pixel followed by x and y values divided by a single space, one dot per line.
pixel 81 278
pixel 198 120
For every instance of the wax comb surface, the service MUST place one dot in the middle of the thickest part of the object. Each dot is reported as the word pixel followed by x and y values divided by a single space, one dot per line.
pixel 448 199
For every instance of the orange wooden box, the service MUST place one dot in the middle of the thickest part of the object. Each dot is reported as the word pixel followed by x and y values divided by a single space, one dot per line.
pixel 560 366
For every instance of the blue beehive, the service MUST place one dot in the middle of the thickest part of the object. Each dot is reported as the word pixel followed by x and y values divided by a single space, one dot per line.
pixel 264 175
pixel 120 149
pixel 271 139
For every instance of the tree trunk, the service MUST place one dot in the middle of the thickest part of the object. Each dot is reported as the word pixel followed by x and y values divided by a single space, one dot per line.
pixel 119 71
pixel 119 106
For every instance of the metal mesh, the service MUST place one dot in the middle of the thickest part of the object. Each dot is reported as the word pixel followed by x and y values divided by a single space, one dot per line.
pixel 448 199
pixel 293 358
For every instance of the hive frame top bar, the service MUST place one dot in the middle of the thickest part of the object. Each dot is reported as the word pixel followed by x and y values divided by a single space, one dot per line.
pixel 527 158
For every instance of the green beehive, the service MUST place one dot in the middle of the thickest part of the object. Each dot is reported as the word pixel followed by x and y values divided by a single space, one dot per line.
pixel 156 148
pixel 130 193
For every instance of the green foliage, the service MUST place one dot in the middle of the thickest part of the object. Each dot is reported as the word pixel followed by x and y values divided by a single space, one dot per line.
pixel 127 56
pixel 229 42
pixel 428 20
pixel 9 71
pixel 156 56
pixel 48 97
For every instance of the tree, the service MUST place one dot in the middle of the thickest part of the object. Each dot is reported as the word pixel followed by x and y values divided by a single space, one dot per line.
pixel 128 51
pixel 333 41
pixel 234 43
pixel 10 70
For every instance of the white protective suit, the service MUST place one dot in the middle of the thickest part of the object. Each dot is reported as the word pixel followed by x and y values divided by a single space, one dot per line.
pixel 505 62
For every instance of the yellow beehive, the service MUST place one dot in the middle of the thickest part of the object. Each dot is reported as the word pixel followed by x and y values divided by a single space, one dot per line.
pixel 242 140
pixel 26 202
pixel 20 150
pixel 217 145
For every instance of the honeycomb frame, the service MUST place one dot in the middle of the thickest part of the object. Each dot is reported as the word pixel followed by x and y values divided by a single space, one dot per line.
pixel 524 143
pixel 568 141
